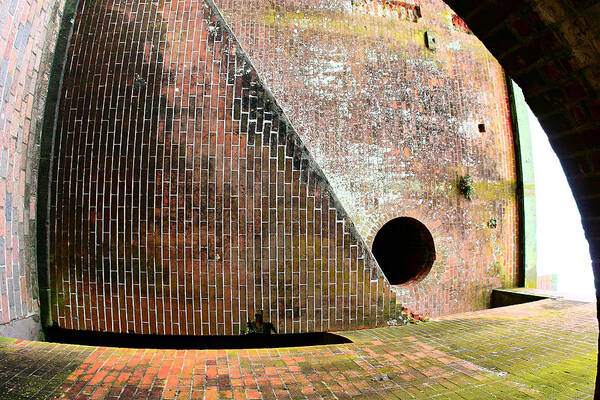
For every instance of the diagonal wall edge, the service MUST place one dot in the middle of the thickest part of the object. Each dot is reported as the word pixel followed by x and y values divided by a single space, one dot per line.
pixel 183 202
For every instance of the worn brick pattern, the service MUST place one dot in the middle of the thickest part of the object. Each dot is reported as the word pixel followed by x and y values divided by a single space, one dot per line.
pixel 182 201
pixel 394 124
pixel 466 356
pixel 28 30
pixel 46 368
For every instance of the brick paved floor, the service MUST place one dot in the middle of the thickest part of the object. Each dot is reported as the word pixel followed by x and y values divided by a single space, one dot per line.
pixel 544 350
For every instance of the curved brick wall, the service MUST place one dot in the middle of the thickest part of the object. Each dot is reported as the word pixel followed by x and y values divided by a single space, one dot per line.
pixel 551 49
pixel 394 124
pixel 28 31
pixel 182 201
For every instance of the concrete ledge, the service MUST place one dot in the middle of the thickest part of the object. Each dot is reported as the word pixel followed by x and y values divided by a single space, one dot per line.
pixel 28 328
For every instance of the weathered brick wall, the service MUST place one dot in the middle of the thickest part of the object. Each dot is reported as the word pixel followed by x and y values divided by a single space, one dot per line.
pixel 28 30
pixel 394 124
pixel 182 200
pixel 551 48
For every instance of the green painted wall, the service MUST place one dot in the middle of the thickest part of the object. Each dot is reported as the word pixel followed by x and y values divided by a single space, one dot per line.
pixel 528 212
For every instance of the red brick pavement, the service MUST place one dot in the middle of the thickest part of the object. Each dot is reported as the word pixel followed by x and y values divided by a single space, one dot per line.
pixel 543 350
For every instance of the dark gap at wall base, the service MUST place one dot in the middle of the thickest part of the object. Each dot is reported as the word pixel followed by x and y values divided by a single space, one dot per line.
pixel 186 342
pixel 508 297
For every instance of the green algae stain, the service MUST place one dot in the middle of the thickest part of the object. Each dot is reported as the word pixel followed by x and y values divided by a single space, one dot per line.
pixel 389 31
pixel 489 190
pixel 550 380
pixel 58 362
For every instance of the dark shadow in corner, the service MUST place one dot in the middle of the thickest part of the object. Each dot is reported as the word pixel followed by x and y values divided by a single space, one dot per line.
pixel 508 297
pixel 254 341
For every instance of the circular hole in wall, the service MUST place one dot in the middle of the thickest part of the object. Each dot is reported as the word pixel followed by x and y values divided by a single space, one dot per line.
pixel 404 249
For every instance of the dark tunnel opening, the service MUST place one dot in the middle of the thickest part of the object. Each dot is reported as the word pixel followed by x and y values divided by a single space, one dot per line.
pixel 404 249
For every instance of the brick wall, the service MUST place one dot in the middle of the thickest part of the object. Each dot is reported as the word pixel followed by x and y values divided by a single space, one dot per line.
pixel 182 201
pixel 394 125
pixel 28 30
pixel 551 49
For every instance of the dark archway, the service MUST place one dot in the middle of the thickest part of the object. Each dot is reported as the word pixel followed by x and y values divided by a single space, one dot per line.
pixel 404 249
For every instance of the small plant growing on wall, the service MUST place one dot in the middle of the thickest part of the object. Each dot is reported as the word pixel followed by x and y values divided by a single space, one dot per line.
pixel 465 186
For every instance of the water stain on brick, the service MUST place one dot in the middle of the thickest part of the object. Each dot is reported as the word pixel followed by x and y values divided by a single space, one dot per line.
pixel 400 122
